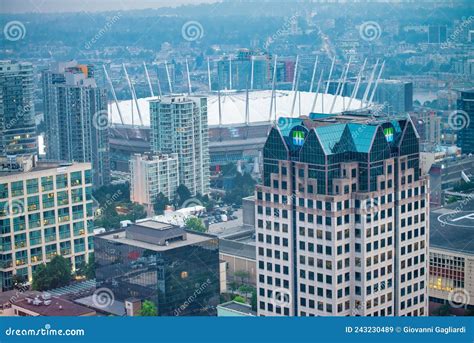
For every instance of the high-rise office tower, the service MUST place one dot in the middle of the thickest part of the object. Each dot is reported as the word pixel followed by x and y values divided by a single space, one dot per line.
pixel 342 219
pixel 45 210
pixel 17 113
pixel 463 121
pixel 75 112
pixel 179 125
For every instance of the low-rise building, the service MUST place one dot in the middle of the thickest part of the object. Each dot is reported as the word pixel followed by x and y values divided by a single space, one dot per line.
pixel 152 175
pixel 176 269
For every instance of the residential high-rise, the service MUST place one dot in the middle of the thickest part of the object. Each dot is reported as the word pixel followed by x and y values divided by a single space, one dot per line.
pixel 179 125
pixel 17 113
pixel 152 175
pixel 465 114
pixel 45 210
pixel 342 219
pixel 75 113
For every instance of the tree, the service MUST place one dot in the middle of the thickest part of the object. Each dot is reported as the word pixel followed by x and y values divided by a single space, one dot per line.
pixel 88 269
pixel 57 273
pixel 253 300
pixel 242 274
pixel 195 224
pixel 239 299
pixel 233 286
pixel 148 309
pixel 182 194
pixel 160 203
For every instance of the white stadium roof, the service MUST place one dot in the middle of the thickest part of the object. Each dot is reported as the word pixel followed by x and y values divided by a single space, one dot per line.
pixel 233 107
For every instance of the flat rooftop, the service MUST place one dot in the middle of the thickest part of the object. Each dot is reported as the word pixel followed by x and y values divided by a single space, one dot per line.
pixel 238 307
pixel 154 230
pixel 57 307
pixel 452 227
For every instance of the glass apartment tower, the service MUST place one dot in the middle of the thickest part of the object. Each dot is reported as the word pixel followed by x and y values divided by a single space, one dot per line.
pixel 179 125
pixel 342 219
pixel 75 112
pixel 17 113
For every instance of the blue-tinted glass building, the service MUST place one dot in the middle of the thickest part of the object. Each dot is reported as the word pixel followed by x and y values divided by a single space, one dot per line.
pixel 176 269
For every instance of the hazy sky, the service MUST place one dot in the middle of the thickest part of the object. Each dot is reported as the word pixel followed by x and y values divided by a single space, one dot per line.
pixel 21 6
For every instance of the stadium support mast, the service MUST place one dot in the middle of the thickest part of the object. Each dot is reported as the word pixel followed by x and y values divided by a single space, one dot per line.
pixel 273 90
pixel 344 82
pixel 369 85
pixel 189 78
pixel 159 84
pixel 314 74
pixel 317 92
pixel 113 93
pixel 357 85
pixel 168 77
pixel 220 109
pixel 377 82
pixel 251 72
pixel 230 72
pixel 209 74
pixel 295 94
pixel 330 75
pixel 340 84
pixel 148 79
pixel 134 95
pixel 295 72
pixel 247 108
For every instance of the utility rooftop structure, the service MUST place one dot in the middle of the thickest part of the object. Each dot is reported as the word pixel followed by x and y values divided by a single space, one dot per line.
pixel 342 218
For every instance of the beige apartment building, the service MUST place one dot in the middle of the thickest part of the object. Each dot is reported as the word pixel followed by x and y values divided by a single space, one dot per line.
pixel 45 210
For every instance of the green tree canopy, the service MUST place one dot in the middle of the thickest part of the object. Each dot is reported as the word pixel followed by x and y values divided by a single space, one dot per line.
pixel 148 309
pixel 56 273
pixel 182 194
pixel 160 203
pixel 195 224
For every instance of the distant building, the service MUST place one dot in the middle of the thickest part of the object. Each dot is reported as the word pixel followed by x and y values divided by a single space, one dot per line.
pixel 47 306
pixel 17 113
pixel 176 269
pixel 45 210
pixel 428 126
pixel 152 175
pixel 437 34
pixel 76 117
pixel 466 112
pixel 396 95
pixel 451 271
pixel 179 125
pixel 235 309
